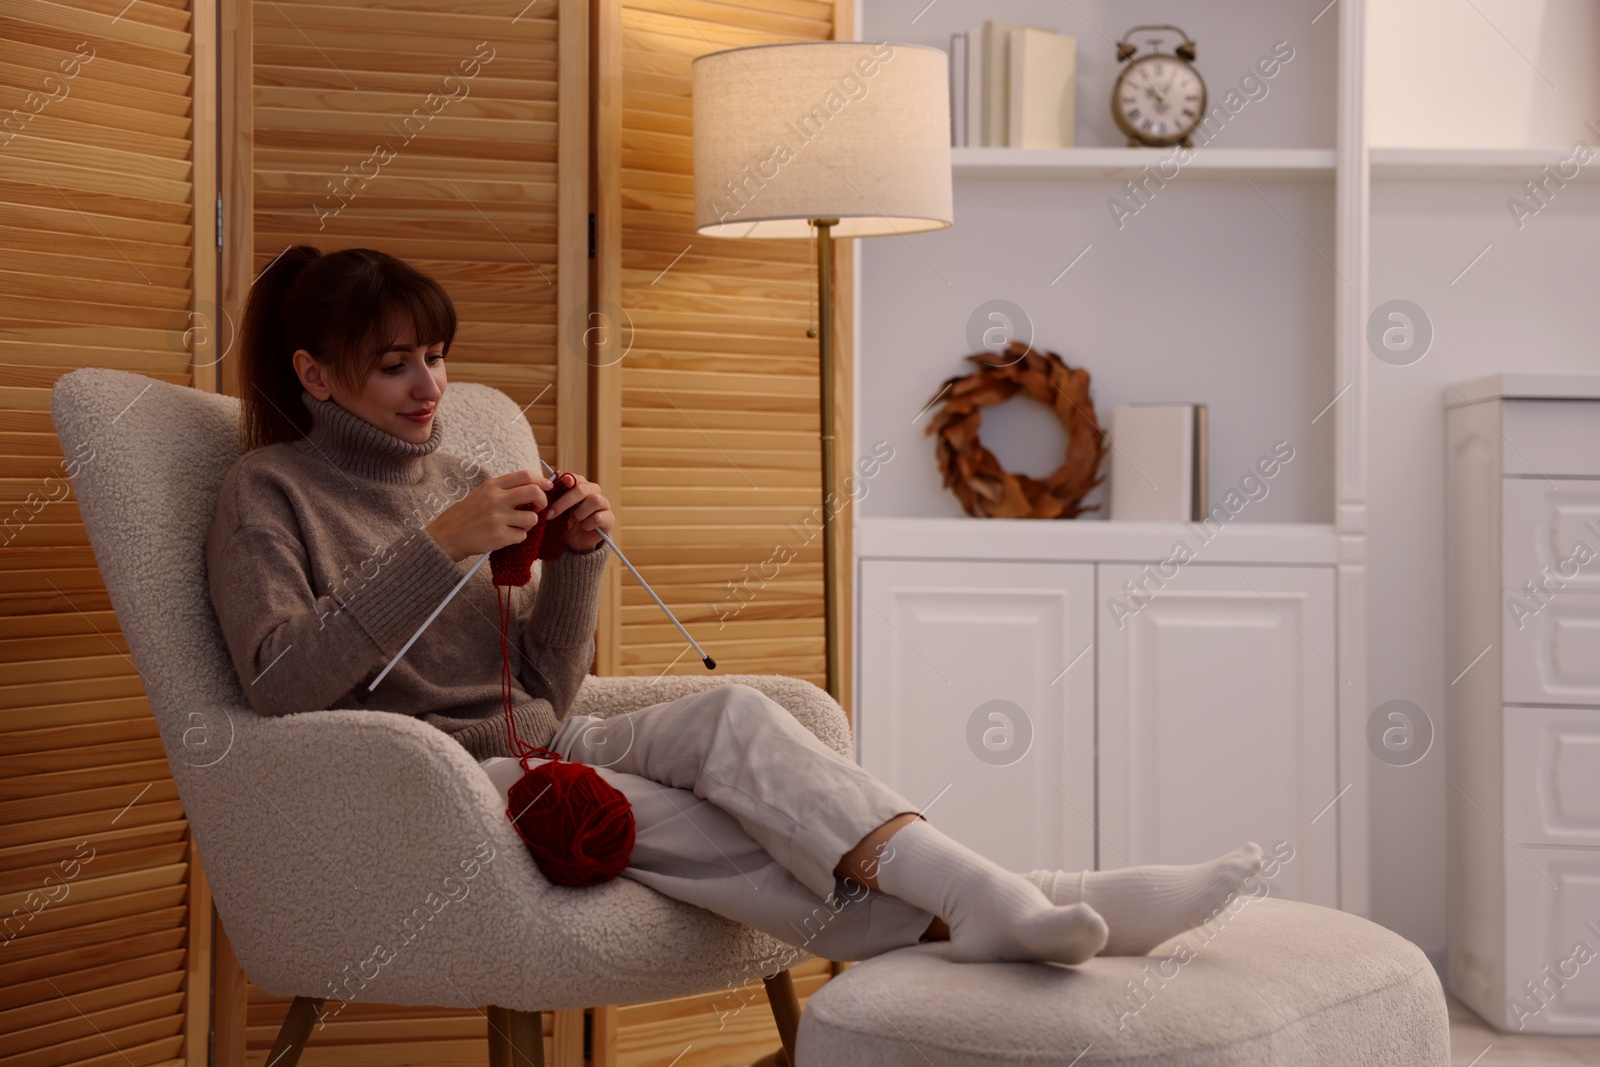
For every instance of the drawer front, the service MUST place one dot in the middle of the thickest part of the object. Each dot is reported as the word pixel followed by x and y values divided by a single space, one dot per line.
pixel 1552 940
pixel 1550 535
pixel 1551 650
pixel 1551 438
pixel 1552 781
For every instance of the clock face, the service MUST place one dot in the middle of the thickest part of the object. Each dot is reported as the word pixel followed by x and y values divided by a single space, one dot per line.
pixel 1158 100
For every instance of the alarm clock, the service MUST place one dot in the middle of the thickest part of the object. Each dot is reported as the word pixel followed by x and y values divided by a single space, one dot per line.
pixel 1159 98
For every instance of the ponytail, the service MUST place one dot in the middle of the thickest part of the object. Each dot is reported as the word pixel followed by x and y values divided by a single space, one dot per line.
pixel 269 387
pixel 344 308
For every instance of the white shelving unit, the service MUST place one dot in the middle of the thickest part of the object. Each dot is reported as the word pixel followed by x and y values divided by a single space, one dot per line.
pixel 1237 279
pixel 1246 282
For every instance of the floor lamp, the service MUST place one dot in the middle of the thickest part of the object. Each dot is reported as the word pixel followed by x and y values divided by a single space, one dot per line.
pixel 821 140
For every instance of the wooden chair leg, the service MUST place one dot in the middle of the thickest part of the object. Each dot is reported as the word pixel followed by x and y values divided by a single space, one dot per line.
pixel 516 1038
pixel 785 1008
pixel 294 1032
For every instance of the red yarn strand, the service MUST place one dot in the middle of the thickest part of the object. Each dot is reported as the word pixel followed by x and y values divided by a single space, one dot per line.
pixel 584 834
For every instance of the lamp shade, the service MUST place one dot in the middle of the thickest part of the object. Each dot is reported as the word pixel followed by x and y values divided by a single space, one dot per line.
pixel 851 130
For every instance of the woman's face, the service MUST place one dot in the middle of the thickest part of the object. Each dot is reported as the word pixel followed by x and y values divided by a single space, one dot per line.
pixel 401 395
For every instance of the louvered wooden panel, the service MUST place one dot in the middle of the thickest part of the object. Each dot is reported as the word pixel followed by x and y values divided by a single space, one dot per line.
pixel 430 132
pixel 717 398
pixel 103 918
pixel 483 185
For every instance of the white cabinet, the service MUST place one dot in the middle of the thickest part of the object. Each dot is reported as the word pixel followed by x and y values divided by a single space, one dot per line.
pixel 1217 721
pixel 1008 693
pixel 976 713
pixel 1523 732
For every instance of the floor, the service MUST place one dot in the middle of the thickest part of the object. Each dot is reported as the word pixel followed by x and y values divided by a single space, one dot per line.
pixel 1473 1043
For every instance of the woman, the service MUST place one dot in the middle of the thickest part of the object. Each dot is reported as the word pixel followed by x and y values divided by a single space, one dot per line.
pixel 342 527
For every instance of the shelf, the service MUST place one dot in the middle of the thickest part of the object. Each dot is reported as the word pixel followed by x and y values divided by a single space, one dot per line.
pixel 1066 540
pixel 1111 162
pixel 1463 164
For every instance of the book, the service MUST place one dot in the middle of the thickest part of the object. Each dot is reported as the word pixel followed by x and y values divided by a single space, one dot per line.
pixel 996 81
pixel 958 89
pixel 1041 89
pixel 974 91
pixel 1158 467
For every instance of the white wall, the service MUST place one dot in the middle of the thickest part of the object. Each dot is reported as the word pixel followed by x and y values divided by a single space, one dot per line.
pixel 1484 73
pixel 1440 74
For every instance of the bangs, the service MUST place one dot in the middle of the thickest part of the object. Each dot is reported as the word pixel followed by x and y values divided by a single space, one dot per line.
pixel 415 301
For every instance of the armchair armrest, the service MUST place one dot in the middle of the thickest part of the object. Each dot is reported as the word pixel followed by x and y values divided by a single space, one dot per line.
pixel 816 710
pixel 329 832
pixel 366 855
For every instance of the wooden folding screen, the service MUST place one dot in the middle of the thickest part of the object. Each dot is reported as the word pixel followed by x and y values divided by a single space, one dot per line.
pixel 706 409
pixel 453 136
pixel 458 137
pixel 107 209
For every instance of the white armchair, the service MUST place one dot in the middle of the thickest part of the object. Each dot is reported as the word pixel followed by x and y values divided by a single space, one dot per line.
pixel 394 877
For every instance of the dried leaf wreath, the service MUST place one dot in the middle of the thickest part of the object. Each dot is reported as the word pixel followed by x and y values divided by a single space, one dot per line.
pixel 972 472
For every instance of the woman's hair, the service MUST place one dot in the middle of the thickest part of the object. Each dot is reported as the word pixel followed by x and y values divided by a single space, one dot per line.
pixel 344 308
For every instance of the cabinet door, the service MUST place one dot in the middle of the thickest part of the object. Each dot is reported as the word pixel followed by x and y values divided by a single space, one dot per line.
pixel 1216 719
pixel 977 700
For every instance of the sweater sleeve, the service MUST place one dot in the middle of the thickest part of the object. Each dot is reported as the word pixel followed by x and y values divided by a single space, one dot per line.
pixel 557 639
pixel 260 584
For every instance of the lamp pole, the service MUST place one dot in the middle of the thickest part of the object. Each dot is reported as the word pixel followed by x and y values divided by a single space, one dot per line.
pixel 830 532
pixel 883 168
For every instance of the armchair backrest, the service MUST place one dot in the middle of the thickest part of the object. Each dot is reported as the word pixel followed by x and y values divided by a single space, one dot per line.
pixel 147 459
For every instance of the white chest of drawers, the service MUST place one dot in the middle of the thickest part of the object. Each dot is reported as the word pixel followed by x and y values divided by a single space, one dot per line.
pixel 1523 603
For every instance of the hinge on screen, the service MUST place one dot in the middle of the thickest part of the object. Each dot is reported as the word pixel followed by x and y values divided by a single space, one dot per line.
pixel 219 220
pixel 591 235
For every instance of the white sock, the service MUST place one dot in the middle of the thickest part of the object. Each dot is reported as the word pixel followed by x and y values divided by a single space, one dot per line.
pixel 993 913
pixel 1144 906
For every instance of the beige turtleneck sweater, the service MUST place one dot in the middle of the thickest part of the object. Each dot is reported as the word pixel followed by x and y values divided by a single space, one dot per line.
pixel 320 567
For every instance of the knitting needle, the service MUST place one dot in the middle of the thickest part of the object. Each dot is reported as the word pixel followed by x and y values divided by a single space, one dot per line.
pixel 710 663
pixel 427 622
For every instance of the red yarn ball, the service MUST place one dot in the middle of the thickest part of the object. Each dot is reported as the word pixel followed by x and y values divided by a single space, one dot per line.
pixel 578 826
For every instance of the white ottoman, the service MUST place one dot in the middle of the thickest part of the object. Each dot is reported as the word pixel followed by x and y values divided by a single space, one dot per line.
pixel 1276 982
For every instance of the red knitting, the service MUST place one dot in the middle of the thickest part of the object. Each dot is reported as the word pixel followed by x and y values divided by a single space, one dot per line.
pixel 513 564
pixel 578 826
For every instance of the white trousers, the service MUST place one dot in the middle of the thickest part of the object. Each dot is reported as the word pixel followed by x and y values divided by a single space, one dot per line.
pixel 742 811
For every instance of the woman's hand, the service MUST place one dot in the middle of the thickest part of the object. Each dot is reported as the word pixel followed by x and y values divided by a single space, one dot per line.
pixel 591 513
pixel 487 518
